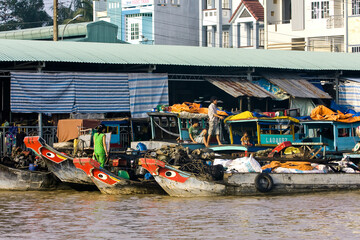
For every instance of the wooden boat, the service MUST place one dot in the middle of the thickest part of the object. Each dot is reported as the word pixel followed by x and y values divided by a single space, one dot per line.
pixel 109 183
pixel 58 163
pixel 184 184
pixel 24 179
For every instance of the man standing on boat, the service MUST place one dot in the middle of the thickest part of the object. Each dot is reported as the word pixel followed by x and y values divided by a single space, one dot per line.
pixel 100 151
pixel 214 120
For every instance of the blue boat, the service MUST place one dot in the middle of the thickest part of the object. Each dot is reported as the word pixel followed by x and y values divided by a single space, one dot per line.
pixel 265 132
pixel 338 136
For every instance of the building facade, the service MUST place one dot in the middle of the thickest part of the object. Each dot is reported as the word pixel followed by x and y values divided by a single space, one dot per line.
pixel 161 22
pixel 311 25
pixel 231 23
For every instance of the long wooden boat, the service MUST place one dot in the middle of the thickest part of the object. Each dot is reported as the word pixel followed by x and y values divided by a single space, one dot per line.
pixel 109 183
pixel 58 163
pixel 19 179
pixel 184 184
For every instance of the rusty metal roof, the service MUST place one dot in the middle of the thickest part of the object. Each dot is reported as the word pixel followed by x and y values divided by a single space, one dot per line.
pixel 237 87
pixel 296 86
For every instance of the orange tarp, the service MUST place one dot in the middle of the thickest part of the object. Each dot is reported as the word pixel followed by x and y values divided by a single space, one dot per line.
pixel 192 108
pixel 68 129
pixel 324 113
pixel 295 165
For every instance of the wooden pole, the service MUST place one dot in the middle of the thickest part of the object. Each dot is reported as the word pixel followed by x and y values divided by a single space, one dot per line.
pixel 56 29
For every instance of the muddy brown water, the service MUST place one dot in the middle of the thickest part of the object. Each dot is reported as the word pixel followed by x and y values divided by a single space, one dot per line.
pixel 92 215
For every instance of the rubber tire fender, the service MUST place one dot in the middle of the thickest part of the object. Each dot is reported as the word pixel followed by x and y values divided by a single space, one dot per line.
pixel 264 177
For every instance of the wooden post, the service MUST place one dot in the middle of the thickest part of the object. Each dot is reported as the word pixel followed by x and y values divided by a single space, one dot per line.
pixel 258 132
pixel 240 104
pixel 231 134
pixel 56 29
pixel 267 104
pixel 40 124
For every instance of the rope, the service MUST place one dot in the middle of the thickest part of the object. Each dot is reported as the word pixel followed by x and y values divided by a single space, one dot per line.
pixel 168 132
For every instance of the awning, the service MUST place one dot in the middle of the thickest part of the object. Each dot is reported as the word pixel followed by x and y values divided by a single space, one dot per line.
pixel 238 87
pixel 69 92
pixel 349 94
pixel 147 90
pixel 87 92
pixel 296 86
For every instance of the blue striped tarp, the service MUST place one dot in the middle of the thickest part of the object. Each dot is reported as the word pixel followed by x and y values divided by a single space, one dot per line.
pixel 147 90
pixel 69 92
pixel 349 95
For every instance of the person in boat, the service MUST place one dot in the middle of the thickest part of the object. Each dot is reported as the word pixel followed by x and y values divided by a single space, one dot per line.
pixel 214 120
pixel 100 152
pixel 245 140
pixel 196 135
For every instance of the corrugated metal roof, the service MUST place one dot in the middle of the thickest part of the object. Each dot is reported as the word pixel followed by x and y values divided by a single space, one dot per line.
pixel 75 29
pixel 108 53
pixel 296 86
pixel 237 87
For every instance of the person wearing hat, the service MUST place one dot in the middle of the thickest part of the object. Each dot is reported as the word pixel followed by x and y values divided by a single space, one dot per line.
pixel 100 151
pixel 214 120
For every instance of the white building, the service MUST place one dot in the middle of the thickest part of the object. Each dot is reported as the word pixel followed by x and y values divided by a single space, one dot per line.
pixel 231 23
pixel 161 22
pixel 313 25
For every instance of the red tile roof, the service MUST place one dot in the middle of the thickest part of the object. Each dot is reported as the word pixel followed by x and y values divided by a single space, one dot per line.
pixel 254 7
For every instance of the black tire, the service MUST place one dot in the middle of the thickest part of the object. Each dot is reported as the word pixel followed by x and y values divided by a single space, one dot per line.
pixel 264 183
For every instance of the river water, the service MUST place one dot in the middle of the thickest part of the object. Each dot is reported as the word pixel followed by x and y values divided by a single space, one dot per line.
pixel 69 214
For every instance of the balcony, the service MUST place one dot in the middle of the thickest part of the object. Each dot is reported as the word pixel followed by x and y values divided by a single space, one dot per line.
pixel 210 16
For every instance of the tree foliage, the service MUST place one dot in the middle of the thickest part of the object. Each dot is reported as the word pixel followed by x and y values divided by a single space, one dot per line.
pixel 20 14
pixel 83 7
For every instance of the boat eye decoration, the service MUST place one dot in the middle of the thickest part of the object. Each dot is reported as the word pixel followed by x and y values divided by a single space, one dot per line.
pixel 102 176
pixel 50 155
pixel 170 174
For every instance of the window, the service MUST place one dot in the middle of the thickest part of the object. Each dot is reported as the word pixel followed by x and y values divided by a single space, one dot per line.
pixel 320 9
pixel 343 132
pixel 175 2
pixel 134 31
pixel 315 10
pixel 225 4
pixel 209 39
pixel 272 13
pixel 355 49
pixel 225 39
pixel 325 9
pixel 355 4
pixel 274 1
pixel 209 4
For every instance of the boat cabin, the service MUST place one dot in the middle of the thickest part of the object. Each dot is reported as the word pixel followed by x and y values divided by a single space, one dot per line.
pixel 172 128
pixel 263 132
pixel 120 133
pixel 339 136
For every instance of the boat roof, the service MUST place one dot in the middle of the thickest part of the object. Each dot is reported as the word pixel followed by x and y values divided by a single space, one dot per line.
pixel 182 115
pixel 308 122
pixel 267 120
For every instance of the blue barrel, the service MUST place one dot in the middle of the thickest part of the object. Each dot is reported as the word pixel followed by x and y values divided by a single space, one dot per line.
pixel 33 167
pixel 141 147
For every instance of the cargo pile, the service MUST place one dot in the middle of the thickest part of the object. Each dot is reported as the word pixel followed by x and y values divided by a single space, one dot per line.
pixel 198 161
